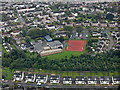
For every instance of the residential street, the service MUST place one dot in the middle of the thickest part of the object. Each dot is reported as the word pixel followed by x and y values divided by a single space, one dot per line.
pixel 60 86
pixel 20 18
pixel 111 43
pixel 85 32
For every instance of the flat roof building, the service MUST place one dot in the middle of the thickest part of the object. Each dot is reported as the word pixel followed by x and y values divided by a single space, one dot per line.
pixel 48 38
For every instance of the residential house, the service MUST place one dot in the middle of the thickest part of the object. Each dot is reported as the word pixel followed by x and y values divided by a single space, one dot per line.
pixel 42 78
pixel 54 79
pixel 92 80
pixel 95 23
pixel 71 17
pixel 112 24
pixel 18 76
pixel 58 13
pixel 19 25
pixel 50 27
pixel 60 34
pixel 104 80
pixel 86 23
pixel 5 35
pixel 27 9
pixel 96 33
pixel 29 77
pixel 103 24
pixel 14 33
pixel 80 80
pixel 67 80
pixel 115 80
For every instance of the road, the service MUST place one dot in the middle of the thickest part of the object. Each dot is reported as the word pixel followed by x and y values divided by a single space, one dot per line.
pixel 20 18
pixel 30 85
pixel 85 32
pixel 111 43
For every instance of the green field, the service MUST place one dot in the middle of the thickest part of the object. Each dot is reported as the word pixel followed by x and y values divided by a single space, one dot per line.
pixel 7 73
pixel 66 53
pixel 4 50
pixel 13 47
pixel 84 73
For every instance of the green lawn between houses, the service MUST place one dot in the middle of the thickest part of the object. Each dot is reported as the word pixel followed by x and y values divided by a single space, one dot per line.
pixel 84 73
pixel 67 53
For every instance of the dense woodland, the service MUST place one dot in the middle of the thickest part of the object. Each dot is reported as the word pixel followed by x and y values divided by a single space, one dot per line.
pixel 109 61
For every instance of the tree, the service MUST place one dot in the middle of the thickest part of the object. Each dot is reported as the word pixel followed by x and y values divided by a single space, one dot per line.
pixel 61 39
pixel 68 28
pixel 109 16
pixel 6 39
pixel 27 39
pixel 79 29
pixel 24 32
pixel 35 33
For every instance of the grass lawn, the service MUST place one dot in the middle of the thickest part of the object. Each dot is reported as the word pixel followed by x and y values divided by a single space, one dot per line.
pixel 77 73
pixel 0 47
pixel 66 53
pixel 13 47
pixel 4 50
pixel 7 73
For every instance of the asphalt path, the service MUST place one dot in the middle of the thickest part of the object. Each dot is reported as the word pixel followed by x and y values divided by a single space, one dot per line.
pixel 85 32
pixel 111 43
pixel 20 18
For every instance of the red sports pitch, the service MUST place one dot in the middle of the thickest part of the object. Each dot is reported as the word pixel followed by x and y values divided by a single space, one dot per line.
pixel 75 45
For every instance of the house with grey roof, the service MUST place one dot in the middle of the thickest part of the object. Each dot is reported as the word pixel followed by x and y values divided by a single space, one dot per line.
pixel 80 80
pixel 67 80
pixel 18 75
pixel 54 79
pixel 115 80
pixel 42 79
pixel 104 80
pixel 29 77
pixel 92 80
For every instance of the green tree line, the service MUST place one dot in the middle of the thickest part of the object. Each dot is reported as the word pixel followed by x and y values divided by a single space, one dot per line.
pixel 109 61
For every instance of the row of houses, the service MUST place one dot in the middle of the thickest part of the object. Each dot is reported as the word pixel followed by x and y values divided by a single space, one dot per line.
pixel 55 79
pixel 102 24
pixel 102 42
pixel 7 46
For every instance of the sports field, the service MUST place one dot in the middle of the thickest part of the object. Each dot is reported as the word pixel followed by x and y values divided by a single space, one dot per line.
pixel 75 45
pixel 67 54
